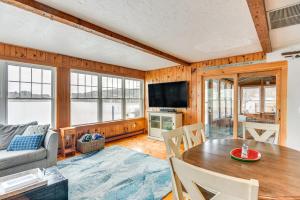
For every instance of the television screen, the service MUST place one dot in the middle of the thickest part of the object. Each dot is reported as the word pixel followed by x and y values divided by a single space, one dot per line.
pixel 169 95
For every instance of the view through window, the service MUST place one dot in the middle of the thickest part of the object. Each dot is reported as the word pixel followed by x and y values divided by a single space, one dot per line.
pixel 270 99
pixel 29 95
pixel 84 98
pixel 250 100
pixel 101 98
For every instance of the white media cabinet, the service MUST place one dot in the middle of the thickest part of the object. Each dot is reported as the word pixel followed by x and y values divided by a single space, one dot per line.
pixel 161 122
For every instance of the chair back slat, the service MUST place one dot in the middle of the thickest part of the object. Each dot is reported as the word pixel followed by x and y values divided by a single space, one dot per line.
pixel 269 131
pixel 173 140
pixel 223 186
pixel 194 134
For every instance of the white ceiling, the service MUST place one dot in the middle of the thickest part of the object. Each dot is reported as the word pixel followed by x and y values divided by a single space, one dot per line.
pixel 282 38
pixel 23 28
pixel 192 30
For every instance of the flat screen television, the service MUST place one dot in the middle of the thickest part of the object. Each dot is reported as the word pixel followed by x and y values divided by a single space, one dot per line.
pixel 168 95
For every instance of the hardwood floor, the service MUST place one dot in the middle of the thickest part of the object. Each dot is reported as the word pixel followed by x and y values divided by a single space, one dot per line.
pixel 143 144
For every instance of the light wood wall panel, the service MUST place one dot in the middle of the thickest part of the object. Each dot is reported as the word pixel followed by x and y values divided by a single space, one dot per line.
pixel 63 66
pixel 114 130
pixel 62 102
pixel 191 114
pixel 34 56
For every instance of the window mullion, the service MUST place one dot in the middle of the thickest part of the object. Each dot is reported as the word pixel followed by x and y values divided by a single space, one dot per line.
pixel 31 82
pixel 142 104
pixel 19 80
pixel 3 92
pixel 53 96
pixel 123 99
pixel 100 100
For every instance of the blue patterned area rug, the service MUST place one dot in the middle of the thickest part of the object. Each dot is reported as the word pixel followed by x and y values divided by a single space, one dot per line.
pixel 116 173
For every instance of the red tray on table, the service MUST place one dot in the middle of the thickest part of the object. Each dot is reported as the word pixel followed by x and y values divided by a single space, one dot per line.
pixel 253 155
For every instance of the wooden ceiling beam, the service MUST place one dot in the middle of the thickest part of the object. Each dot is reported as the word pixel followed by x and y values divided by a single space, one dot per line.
pixel 259 16
pixel 59 16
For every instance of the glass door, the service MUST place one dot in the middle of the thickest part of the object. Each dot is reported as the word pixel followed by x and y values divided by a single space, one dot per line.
pixel 219 107
pixel 251 94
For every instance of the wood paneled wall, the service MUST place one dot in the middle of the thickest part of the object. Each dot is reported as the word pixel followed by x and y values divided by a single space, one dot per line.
pixel 63 66
pixel 34 56
pixel 114 130
pixel 189 73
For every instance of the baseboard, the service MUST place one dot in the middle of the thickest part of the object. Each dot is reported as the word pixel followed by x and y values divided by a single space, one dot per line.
pixel 124 135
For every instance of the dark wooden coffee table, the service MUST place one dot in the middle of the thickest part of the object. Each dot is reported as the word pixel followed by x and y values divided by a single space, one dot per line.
pixel 56 189
pixel 278 171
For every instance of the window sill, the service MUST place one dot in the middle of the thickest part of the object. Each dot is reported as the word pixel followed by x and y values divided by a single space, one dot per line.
pixel 108 122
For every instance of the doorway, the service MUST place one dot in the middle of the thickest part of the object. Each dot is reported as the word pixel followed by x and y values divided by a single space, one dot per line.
pixel 235 96
pixel 219 99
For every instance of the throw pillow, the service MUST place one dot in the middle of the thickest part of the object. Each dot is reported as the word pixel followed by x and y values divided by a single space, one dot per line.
pixel 7 132
pixel 27 142
pixel 37 129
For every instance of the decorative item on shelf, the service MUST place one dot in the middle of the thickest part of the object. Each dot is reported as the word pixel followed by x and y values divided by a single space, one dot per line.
pixel 90 142
pixel 244 154
pixel 68 140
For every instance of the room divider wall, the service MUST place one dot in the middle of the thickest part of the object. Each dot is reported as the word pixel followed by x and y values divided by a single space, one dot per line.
pixel 231 67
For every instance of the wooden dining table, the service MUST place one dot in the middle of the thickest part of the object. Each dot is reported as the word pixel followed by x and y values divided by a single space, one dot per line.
pixel 278 170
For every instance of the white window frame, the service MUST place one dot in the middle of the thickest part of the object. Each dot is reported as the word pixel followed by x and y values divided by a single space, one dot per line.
pixel 4 89
pixel 260 100
pixel 100 98
pixel 264 98
pixel 141 98
pixel 86 99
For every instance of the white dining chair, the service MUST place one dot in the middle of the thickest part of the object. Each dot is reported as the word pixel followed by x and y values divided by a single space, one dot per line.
pixel 269 131
pixel 173 140
pixel 194 134
pixel 222 186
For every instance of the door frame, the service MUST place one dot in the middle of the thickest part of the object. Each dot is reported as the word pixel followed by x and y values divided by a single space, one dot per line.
pixel 279 68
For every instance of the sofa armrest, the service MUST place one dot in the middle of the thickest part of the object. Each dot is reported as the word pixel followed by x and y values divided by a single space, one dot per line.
pixel 51 145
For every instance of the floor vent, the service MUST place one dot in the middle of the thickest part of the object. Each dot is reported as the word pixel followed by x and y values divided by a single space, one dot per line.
pixel 287 16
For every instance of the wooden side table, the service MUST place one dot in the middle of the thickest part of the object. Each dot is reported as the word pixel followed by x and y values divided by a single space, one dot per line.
pixel 68 136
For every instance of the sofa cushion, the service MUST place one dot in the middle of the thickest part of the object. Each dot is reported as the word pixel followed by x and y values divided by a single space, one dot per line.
pixel 15 158
pixel 37 129
pixel 7 132
pixel 25 142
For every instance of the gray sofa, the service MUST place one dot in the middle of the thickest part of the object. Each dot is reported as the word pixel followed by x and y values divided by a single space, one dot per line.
pixel 16 161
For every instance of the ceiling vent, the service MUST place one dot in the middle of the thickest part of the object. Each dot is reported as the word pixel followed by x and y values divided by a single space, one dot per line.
pixel 287 16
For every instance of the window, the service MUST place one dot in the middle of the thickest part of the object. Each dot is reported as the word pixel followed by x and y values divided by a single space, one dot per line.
pixel 133 96
pixel 84 98
pixel 216 106
pixel 29 95
pixel 250 100
pixel 229 99
pixel 112 98
pixel 222 99
pixel 102 98
pixel 270 99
